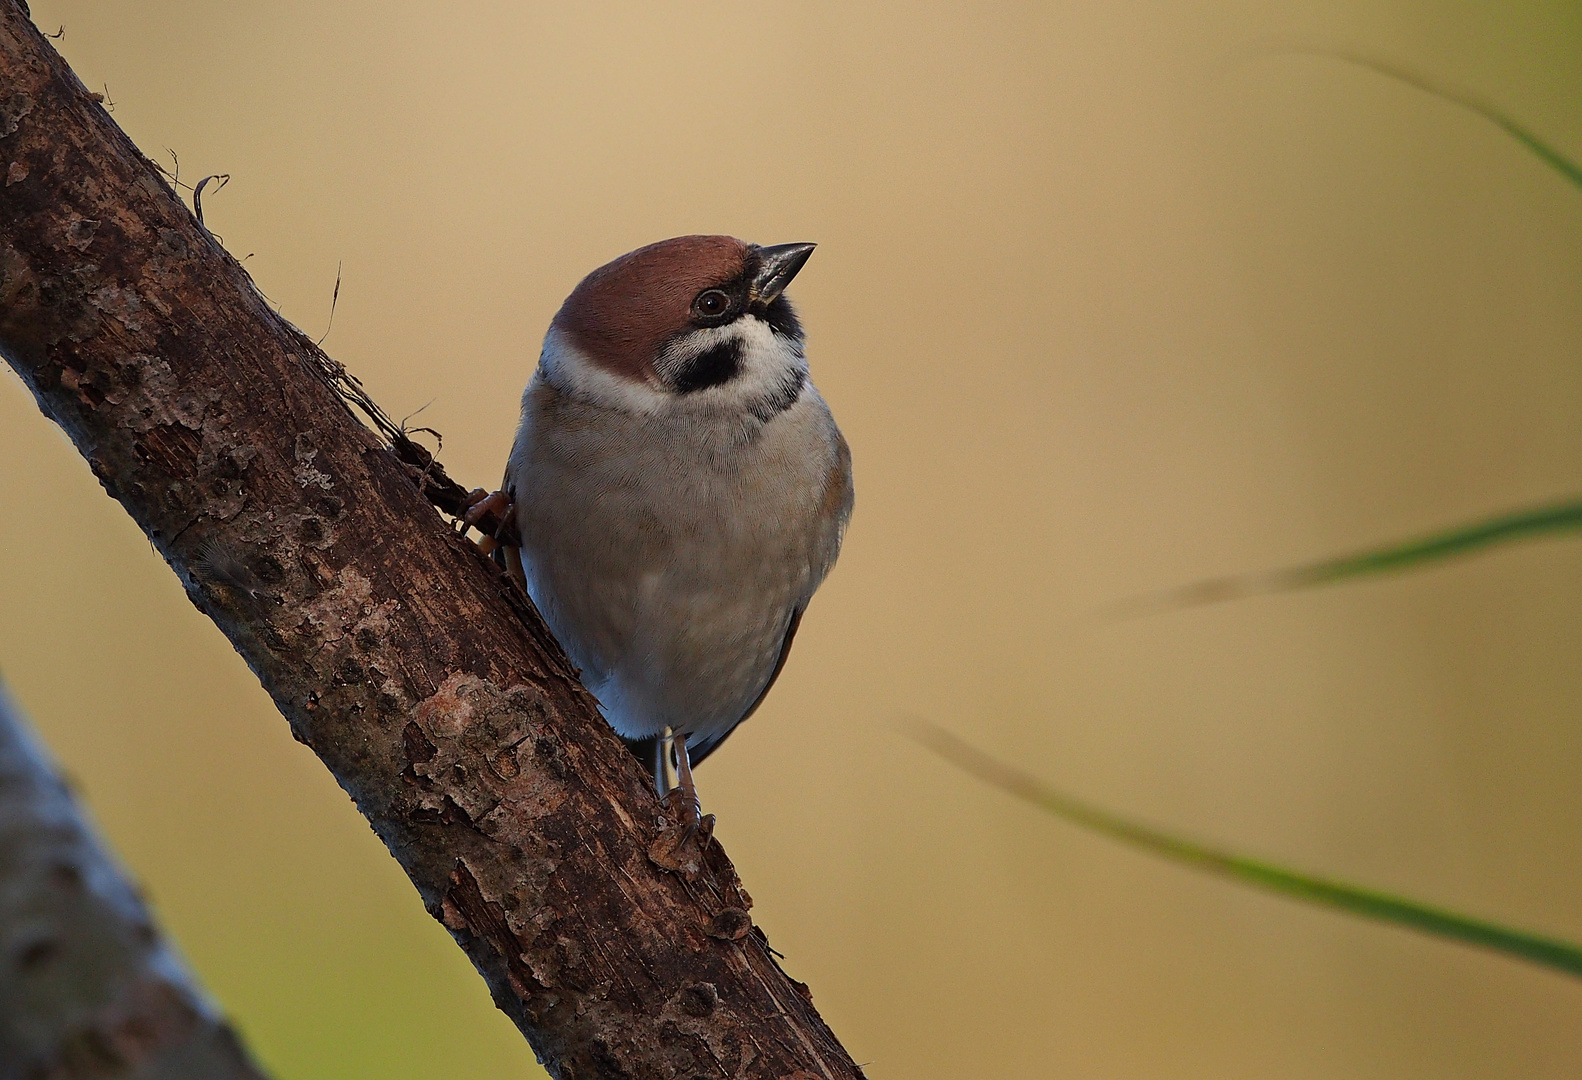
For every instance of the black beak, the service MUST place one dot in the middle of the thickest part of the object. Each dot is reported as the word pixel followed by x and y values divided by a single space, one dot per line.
pixel 777 265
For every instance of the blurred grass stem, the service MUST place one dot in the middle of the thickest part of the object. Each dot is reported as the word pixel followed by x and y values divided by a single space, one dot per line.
pixel 1551 953
pixel 1557 518
pixel 1467 100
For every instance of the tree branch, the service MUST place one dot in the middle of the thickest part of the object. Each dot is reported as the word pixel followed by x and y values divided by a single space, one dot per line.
pixel 87 986
pixel 405 659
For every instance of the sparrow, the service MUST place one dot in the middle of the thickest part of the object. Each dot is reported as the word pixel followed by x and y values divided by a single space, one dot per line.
pixel 679 489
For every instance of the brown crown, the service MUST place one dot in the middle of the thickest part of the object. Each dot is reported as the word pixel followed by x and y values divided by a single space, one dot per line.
pixel 622 313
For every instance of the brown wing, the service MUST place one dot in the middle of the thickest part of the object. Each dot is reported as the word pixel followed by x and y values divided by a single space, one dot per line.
pixel 696 753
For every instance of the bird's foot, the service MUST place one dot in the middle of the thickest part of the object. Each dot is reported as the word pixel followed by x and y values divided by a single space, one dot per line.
pixel 681 842
pixel 685 831
pixel 494 515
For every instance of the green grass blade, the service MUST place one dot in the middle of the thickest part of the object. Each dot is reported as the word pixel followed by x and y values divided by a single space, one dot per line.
pixel 1559 955
pixel 1467 100
pixel 1539 521
pixel 1532 523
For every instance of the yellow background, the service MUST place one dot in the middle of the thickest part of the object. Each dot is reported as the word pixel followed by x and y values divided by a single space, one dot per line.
pixel 1110 296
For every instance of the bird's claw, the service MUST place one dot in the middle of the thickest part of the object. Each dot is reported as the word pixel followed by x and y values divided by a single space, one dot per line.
pixel 480 505
pixel 679 848
pixel 685 835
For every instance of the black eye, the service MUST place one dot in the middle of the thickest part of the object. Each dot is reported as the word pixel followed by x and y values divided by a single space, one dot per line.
pixel 711 303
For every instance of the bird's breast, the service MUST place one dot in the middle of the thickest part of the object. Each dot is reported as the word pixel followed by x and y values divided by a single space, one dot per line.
pixel 668 560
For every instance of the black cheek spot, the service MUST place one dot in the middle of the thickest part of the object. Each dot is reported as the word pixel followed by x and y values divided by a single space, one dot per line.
pixel 711 368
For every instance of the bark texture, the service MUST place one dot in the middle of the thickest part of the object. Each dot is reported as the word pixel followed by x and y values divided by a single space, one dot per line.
pixel 401 655
pixel 88 988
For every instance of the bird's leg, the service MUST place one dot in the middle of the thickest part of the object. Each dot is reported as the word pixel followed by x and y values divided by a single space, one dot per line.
pixel 692 808
pixel 680 844
pixel 665 773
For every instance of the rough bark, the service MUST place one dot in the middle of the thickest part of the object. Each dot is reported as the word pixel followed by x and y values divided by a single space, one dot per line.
pixel 88 987
pixel 394 649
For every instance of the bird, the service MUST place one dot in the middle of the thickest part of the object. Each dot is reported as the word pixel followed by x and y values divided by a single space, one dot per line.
pixel 679 490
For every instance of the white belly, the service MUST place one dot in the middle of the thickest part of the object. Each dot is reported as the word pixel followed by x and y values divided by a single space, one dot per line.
pixel 669 560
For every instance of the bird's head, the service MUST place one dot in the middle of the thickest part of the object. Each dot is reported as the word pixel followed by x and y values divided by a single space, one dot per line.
pixel 693 323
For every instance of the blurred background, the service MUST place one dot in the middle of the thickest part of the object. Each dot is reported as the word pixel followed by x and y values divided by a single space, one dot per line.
pixel 1109 297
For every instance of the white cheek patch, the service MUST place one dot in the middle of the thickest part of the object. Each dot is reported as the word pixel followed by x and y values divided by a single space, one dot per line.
pixel 568 369
pixel 772 373
pixel 770 367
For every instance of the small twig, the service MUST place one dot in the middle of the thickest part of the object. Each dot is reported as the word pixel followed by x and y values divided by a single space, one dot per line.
pixel 414 412
pixel 197 193
pixel 175 177
pixel 443 493
pixel 439 443
pixel 57 35
pixel 334 299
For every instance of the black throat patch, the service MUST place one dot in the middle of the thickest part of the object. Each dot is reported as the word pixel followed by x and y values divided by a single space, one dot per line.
pixel 714 366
